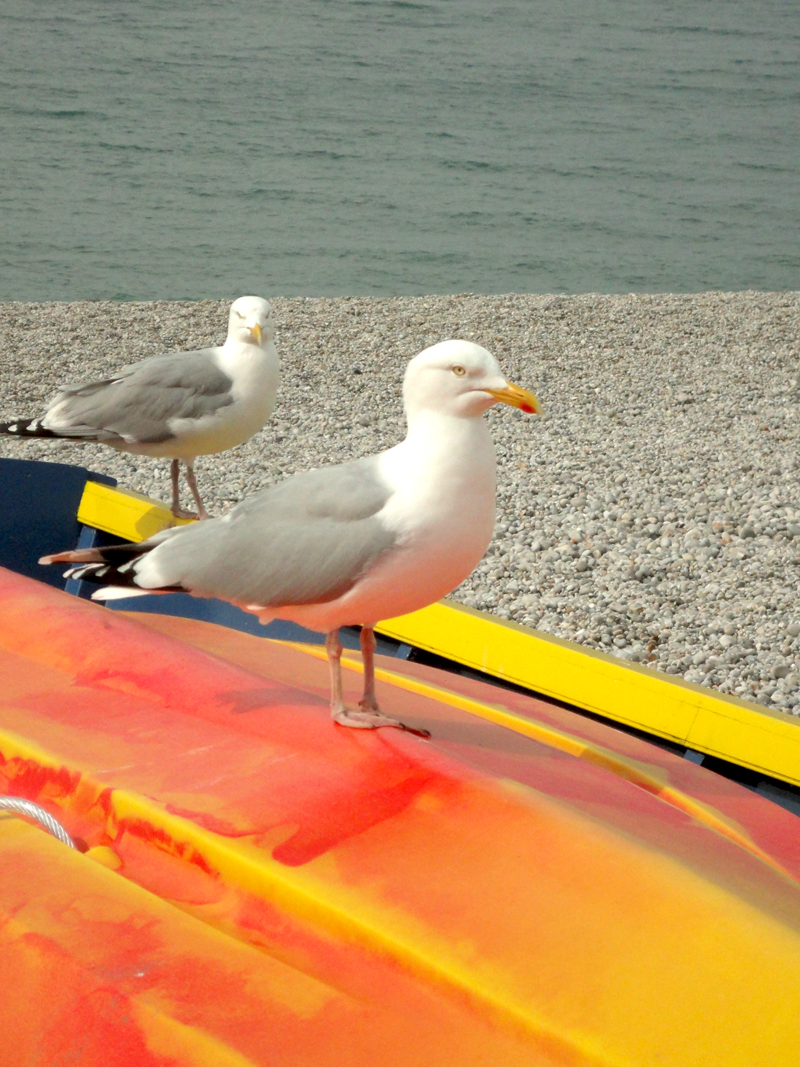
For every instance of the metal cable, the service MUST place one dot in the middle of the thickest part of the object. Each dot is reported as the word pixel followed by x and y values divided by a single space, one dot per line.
pixel 34 811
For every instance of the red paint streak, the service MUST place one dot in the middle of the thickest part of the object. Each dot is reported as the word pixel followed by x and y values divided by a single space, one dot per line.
pixel 104 803
pixel 345 816
pixel 164 842
pixel 144 830
pixel 34 782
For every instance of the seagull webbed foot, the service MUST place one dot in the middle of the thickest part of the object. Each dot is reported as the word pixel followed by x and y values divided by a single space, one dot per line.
pixel 369 716
pixel 372 719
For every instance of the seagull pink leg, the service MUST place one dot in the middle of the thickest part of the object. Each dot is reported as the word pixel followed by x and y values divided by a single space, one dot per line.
pixel 191 481
pixel 369 701
pixel 333 647
pixel 175 473
pixel 177 510
pixel 370 717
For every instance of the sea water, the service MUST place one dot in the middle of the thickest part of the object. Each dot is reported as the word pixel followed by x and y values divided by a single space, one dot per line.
pixel 170 149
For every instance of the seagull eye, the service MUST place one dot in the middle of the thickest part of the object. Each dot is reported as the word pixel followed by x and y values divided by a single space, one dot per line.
pixel 459 371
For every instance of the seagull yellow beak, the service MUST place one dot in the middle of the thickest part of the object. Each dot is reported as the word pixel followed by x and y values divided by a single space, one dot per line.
pixel 255 330
pixel 517 397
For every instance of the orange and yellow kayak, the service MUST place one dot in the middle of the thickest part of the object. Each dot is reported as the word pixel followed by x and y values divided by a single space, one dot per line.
pixel 256 886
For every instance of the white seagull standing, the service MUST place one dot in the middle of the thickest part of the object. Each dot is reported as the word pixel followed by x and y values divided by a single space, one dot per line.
pixel 181 405
pixel 350 544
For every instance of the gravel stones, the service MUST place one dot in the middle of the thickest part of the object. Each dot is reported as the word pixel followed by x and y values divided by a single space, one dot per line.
pixel 654 513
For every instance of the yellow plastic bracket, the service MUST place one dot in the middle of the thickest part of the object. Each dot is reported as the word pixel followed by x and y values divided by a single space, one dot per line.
pixel 124 513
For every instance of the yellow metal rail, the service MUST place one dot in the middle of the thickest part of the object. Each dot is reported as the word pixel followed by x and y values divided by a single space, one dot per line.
pixel 692 715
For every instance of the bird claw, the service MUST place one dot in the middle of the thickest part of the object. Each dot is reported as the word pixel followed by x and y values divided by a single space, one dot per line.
pixel 424 734
pixel 373 720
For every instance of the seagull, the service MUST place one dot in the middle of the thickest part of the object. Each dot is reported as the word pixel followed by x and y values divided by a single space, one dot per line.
pixel 181 405
pixel 349 544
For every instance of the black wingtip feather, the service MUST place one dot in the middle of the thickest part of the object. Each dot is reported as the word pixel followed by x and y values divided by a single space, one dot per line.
pixel 26 428
pixel 114 565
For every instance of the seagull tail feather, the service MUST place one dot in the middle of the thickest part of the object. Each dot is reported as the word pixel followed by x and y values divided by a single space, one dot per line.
pixel 113 566
pixel 112 592
pixel 26 428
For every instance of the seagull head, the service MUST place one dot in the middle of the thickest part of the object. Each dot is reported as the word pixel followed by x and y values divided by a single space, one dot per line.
pixel 250 321
pixel 462 379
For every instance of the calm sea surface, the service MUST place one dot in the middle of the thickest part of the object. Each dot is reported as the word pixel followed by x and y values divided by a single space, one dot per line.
pixel 167 149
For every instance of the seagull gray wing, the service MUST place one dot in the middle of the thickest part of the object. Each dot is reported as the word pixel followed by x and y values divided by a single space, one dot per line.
pixel 304 541
pixel 138 403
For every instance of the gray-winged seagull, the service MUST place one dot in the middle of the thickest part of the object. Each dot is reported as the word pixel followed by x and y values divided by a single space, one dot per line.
pixel 182 405
pixel 349 544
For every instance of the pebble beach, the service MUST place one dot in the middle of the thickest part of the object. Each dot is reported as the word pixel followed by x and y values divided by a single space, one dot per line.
pixel 654 512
